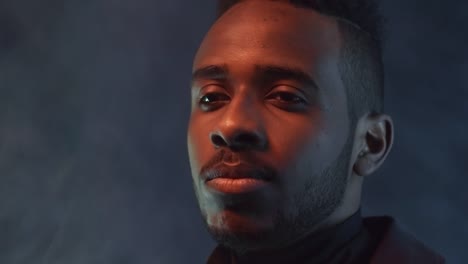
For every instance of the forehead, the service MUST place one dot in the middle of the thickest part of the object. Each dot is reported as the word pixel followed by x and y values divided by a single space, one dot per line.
pixel 267 32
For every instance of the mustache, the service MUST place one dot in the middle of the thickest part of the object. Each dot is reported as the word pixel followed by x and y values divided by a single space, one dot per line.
pixel 216 167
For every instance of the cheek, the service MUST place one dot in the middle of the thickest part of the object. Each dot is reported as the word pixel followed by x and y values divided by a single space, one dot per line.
pixel 305 145
pixel 290 135
pixel 198 145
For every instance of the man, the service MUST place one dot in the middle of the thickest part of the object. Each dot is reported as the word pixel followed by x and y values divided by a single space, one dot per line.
pixel 287 120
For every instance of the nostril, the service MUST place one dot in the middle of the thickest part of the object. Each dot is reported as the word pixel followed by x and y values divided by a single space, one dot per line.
pixel 239 140
pixel 246 138
pixel 218 140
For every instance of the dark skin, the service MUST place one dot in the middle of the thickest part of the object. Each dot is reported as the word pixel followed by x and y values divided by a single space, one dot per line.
pixel 266 87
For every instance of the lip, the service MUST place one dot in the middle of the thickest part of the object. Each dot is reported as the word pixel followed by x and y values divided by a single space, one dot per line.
pixel 242 179
pixel 237 172
pixel 237 185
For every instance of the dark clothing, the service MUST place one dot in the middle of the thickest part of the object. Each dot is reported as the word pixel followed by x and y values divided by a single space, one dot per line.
pixel 373 240
pixel 398 246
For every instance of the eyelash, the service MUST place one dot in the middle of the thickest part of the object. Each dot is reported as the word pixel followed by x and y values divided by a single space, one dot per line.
pixel 296 99
pixel 211 94
pixel 302 101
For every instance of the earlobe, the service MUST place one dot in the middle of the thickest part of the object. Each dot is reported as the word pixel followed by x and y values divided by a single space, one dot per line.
pixel 376 144
pixel 361 166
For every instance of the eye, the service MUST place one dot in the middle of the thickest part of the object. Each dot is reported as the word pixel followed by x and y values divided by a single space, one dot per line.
pixel 210 101
pixel 287 98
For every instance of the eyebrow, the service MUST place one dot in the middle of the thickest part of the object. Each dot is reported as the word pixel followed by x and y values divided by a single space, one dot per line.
pixel 273 73
pixel 263 73
pixel 211 72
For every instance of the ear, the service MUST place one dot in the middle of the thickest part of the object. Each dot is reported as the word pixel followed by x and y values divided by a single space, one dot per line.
pixel 373 142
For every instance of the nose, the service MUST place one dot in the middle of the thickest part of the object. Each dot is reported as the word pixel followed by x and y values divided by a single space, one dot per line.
pixel 240 129
pixel 239 140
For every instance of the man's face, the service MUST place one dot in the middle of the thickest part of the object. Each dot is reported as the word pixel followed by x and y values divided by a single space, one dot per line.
pixel 269 135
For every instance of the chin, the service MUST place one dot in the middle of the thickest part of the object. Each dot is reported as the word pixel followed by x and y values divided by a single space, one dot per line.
pixel 241 232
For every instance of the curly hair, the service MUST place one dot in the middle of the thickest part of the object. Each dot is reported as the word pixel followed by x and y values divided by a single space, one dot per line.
pixel 361 66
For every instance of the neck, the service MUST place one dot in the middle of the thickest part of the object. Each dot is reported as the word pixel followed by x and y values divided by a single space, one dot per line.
pixel 317 245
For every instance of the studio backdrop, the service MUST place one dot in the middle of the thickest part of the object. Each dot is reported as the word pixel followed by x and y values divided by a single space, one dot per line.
pixel 94 105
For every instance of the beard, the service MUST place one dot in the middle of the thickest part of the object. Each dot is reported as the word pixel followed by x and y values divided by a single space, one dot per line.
pixel 301 213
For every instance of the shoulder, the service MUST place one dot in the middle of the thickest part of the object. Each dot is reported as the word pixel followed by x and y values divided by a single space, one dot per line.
pixel 220 255
pixel 394 245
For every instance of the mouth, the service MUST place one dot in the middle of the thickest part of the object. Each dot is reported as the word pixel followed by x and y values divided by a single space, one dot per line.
pixel 237 180
pixel 236 185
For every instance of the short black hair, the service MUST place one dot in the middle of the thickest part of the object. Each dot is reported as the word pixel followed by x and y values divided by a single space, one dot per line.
pixel 361 64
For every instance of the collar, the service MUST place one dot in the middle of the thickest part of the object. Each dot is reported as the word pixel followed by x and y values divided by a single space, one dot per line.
pixel 316 247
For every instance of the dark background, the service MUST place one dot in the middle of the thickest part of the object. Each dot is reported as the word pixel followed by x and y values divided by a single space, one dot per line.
pixel 94 104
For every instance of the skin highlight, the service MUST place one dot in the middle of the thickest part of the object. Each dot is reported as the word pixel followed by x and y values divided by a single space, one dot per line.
pixel 272 95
